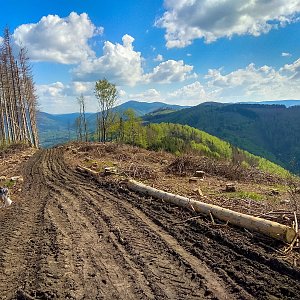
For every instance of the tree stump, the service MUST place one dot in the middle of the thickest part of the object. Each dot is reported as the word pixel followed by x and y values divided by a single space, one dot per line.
pixel 230 188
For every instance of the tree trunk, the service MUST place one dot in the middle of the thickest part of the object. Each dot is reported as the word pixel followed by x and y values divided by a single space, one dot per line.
pixel 269 228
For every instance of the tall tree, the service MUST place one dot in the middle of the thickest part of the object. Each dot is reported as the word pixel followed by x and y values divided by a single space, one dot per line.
pixel 107 94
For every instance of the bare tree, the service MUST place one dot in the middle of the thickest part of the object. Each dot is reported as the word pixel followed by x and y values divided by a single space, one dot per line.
pixel 17 97
pixel 83 122
pixel 107 95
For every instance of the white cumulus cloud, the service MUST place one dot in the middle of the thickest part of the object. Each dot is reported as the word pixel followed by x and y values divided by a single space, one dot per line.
pixel 187 20
pixel 123 65
pixel 170 71
pixel 59 97
pixel 149 95
pixel 56 39
pixel 190 94
pixel 292 70
pixel 119 63
pixel 256 83
pixel 59 89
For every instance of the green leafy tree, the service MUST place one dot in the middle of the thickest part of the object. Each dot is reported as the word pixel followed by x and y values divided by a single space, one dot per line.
pixel 107 95
pixel 134 132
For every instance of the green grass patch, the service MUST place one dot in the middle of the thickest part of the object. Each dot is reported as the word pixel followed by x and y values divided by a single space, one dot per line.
pixel 246 195
pixel 8 183
pixel 98 166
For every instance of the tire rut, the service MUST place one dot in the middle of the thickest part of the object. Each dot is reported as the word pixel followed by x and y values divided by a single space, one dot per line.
pixel 166 273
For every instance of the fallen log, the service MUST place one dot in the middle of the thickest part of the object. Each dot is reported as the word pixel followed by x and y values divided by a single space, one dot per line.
pixel 87 170
pixel 272 229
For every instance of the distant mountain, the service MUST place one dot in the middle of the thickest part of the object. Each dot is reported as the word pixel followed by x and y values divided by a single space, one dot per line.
pixel 287 103
pixel 47 121
pixel 271 131
pixel 55 129
pixel 143 108
pixel 140 109
pixel 59 128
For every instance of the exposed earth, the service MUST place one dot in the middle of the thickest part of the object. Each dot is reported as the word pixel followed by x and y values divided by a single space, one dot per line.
pixel 69 235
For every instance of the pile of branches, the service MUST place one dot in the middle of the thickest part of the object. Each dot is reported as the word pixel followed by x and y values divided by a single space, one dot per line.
pixel 186 165
pixel 140 172
pixel 11 149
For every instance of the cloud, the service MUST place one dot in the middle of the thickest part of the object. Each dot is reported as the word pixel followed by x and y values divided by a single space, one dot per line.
pixel 187 20
pixel 59 89
pixel 159 57
pixel 1 40
pixel 123 65
pixel 55 39
pixel 256 83
pixel 60 98
pixel 149 95
pixel 119 63
pixel 170 71
pixel 190 94
pixel 284 54
pixel 292 70
pixel 122 94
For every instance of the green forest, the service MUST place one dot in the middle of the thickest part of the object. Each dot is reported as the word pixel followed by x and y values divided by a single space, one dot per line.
pixel 270 131
pixel 181 139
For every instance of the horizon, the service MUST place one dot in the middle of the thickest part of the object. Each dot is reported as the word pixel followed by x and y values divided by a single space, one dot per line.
pixel 183 106
pixel 184 52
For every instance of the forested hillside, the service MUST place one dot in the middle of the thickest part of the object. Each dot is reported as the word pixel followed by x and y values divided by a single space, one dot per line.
pixel 271 131
pixel 55 129
pixel 183 139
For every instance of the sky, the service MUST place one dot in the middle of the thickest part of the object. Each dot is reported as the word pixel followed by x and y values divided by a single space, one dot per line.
pixel 182 52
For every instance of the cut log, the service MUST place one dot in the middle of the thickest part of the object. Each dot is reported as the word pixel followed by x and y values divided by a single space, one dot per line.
pixel 272 229
pixel 193 180
pixel 110 171
pixel 87 170
pixel 17 178
pixel 199 174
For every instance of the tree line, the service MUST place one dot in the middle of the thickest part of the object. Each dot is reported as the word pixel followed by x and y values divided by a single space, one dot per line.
pixel 18 101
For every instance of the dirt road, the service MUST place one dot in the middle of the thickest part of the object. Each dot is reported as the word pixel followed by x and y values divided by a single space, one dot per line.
pixel 73 237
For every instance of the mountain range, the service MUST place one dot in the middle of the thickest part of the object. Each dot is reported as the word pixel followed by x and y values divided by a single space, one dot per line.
pixel 287 103
pixel 269 130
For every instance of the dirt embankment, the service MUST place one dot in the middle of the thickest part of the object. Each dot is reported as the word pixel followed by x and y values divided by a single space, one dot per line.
pixel 72 237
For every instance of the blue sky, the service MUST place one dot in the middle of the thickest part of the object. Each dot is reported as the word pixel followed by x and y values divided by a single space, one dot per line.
pixel 176 51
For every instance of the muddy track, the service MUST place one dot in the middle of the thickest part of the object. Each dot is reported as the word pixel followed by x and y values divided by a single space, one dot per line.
pixel 77 238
